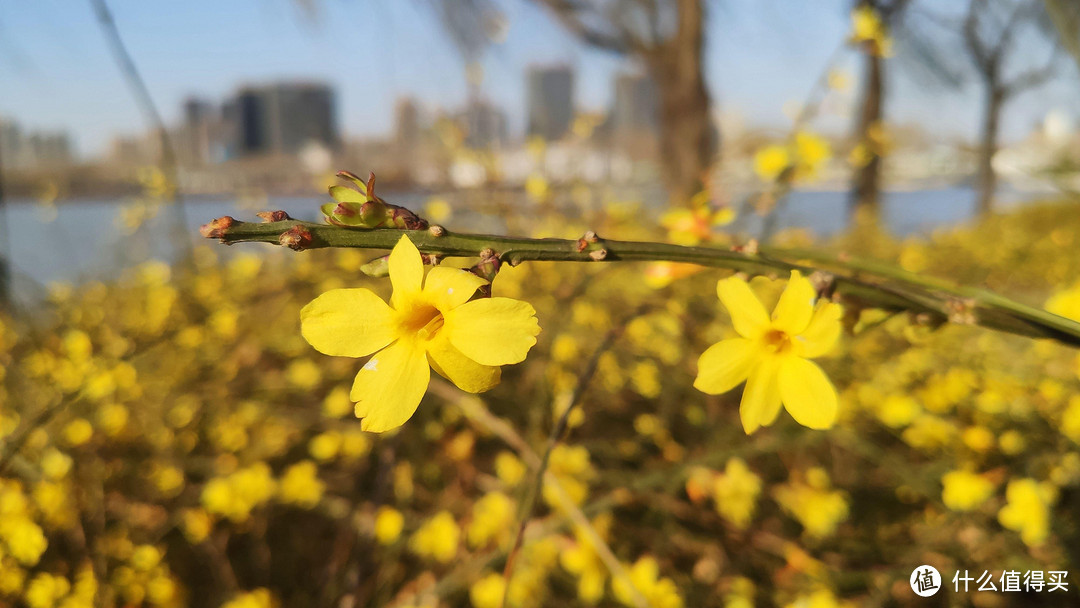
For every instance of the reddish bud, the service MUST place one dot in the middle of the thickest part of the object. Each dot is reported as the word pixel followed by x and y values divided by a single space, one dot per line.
pixel 273 216
pixel 216 229
pixel 296 238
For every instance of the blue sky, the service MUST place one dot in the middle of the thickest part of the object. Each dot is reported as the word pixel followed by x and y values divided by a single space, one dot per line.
pixel 56 71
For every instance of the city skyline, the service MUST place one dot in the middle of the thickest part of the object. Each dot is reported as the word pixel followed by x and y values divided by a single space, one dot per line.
pixel 272 42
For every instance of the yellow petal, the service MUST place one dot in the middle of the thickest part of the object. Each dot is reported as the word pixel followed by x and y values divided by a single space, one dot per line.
pixel 821 334
pixel 761 396
pixel 724 365
pixel 807 393
pixel 390 386
pixel 467 374
pixel 449 288
pixel 492 331
pixel 347 323
pixel 796 305
pixel 748 316
pixel 406 270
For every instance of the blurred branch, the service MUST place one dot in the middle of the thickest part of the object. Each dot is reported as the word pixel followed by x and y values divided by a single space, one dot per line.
pixel 1065 15
pixel 149 110
pixel 557 432
pixel 859 282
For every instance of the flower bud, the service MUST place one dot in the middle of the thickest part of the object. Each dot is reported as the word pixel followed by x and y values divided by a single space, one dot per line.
pixel 296 238
pixel 379 267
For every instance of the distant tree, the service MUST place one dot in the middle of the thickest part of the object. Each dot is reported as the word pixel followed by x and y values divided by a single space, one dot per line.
pixel 866 181
pixel 668 38
pixel 994 33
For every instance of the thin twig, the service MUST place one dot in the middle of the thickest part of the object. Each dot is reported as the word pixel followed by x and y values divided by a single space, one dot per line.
pixel 557 431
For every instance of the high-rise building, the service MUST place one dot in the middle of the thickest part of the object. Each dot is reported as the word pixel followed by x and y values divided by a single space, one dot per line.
pixel 550 99
pixel 281 118
pixel 34 149
pixel 406 125
pixel 197 133
pixel 634 111
pixel 484 124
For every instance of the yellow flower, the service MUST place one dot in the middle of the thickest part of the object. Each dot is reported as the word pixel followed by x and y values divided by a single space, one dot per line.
pixel 735 493
pixel 145 558
pixel 867 28
pixel 1028 510
pixel 437 538
pixel 819 509
pixel 301 486
pixel 78 432
pixel 773 355
pixel 388 524
pixel 428 321
pixel 964 490
pixel 488 592
pixel 257 598
pixel 812 151
pixel 771 161
pixel 493 517
pixel 644 576
pixel 55 464
pixel 509 469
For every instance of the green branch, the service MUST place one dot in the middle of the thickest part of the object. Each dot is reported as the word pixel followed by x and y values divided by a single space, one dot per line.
pixel 859 282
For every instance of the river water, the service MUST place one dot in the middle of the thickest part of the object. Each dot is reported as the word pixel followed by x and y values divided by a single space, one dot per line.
pixel 76 241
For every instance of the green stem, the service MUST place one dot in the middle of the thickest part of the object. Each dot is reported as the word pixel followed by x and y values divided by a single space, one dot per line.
pixel 859 282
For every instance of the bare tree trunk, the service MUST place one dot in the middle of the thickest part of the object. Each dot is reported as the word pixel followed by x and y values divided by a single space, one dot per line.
pixel 866 183
pixel 687 135
pixel 986 180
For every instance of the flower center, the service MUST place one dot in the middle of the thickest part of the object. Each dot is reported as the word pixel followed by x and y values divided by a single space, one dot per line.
pixel 421 319
pixel 778 341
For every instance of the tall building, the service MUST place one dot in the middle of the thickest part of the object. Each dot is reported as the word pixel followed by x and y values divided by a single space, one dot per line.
pixel 33 149
pixel 550 99
pixel 406 125
pixel 281 118
pixel 484 123
pixel 197 141
pixel 634 111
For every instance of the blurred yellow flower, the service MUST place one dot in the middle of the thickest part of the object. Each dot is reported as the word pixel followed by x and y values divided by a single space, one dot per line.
pixel 509 468
pixel 1028 510
pixel 735 493
pixel 492 520
pixel 325 446
pixel 145 558
pixel 55 464
pixel 196 524
pixel 964 490
pixel 300 485
pixel 430 322
pixel 771 161
pixel 867 28
pixel 46 590
pixel 437 539
pixel 78 432
pixel 257 598
pixel 773 354
pixel 488 591
pixel 388 524
pixel 819 509
pixel 23 539
pixel 644 577
pixel 583 560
